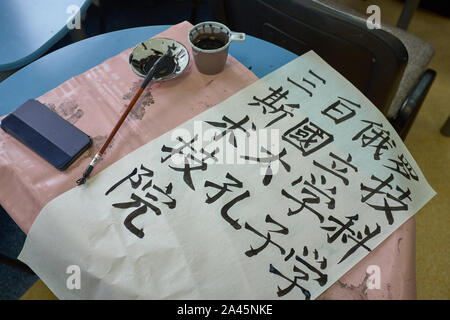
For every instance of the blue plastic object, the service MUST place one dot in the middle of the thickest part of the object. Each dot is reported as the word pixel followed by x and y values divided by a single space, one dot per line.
pixel 28 28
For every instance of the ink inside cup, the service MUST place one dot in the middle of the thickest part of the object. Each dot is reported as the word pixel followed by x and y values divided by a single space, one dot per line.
pixel 209 42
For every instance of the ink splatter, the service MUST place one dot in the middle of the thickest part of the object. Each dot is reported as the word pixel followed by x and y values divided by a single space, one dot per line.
pixel 68 110
pixel 146 99
pixel 357 292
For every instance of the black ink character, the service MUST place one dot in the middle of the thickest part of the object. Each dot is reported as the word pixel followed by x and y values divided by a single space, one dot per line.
pixel 134 183
pixel 226 187
pixel 360 240
pixel 230 126
pixel 339 111
pixel 307 137
pixel 391 202
pixel 282 230
pixel 142 206
pixel 374 136
pixel 311 83
pixel 268 103
pixel 404 168
pixel 343 227
pixel 340 171
pixel 271 158
pixel 322 278
pixel 293 283
pixel 150 201
pixel 190 158
pixel 313 196
pixel 346 233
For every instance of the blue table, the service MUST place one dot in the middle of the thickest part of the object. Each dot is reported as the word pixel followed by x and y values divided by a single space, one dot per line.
pixel 28 28
pixel 53 69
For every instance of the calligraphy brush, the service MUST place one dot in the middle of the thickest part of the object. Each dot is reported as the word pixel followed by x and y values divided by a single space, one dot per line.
pixel 159 67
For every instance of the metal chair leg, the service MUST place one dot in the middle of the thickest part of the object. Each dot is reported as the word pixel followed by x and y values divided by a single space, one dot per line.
pixel 445 130
pixel 407 13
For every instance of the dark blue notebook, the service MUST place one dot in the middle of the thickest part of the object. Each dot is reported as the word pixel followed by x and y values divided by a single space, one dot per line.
pixel 46 133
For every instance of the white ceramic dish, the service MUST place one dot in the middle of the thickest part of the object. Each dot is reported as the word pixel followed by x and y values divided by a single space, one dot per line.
pixel 158 47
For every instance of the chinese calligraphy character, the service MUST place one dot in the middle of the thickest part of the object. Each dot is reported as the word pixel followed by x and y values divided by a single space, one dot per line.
pixel 311 83
pixel 303 275
pixel 271 158
pixel 374 136
pixel 189 155
pixel 230 126
pixel 340 111
pixel 404 168
pixel 269 103
pixel 334 170
pixel 283 230
pixel 150 201
pixel 307 137
pixel 313 196
pixel 389 199
pixel 226 187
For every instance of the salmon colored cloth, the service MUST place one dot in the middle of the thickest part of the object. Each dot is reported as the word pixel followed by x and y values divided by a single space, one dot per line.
pixel 93 102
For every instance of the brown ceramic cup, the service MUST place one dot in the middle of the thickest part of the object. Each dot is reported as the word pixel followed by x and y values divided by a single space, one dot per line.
pixel 209 42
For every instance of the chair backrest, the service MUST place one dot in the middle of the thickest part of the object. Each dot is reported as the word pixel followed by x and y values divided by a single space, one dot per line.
pixel 373 60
